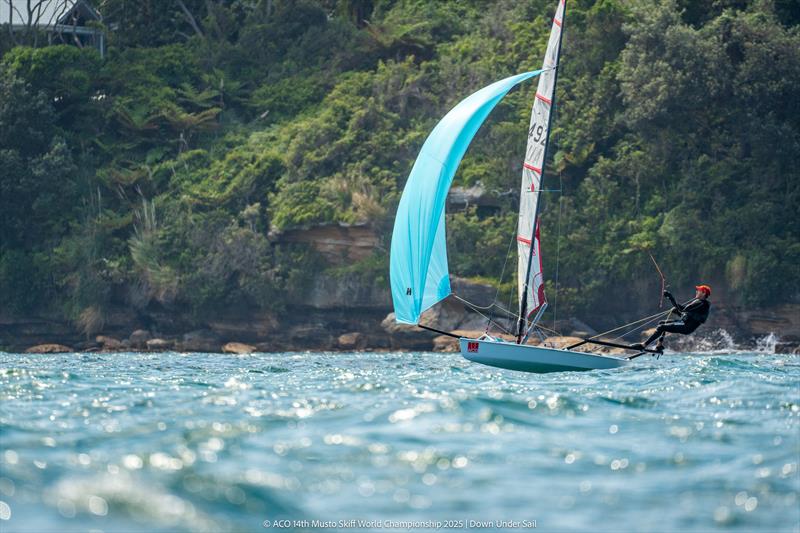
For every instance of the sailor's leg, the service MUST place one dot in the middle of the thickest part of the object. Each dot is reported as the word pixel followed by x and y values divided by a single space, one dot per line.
pixel 660 344
pixel 674 326
pixel 678 326
pixel 659 332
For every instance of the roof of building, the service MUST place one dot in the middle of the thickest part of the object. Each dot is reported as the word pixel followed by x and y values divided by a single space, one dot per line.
pixel 46 13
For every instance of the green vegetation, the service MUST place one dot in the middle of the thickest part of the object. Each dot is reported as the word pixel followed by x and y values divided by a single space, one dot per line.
pixel 153 177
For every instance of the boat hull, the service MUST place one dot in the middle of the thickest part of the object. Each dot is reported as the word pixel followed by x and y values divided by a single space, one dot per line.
pixel 536 359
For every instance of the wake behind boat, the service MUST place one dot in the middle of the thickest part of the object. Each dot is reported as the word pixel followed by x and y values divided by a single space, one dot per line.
pixel 419 268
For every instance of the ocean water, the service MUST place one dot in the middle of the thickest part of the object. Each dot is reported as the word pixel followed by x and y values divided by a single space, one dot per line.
pixel 396 441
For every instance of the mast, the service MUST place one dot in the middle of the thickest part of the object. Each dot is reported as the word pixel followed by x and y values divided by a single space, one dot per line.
pixel 523 305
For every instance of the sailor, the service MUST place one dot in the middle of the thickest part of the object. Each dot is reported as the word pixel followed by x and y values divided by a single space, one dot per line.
pixel 693 313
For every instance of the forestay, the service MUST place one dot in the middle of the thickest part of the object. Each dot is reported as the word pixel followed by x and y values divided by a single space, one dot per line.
pixel 418 269
pixel 530 284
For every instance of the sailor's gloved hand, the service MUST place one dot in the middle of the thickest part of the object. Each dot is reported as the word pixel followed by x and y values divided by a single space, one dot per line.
pixel 667 294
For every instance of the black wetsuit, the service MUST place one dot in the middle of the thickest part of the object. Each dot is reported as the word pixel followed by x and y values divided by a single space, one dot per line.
pixel 693 314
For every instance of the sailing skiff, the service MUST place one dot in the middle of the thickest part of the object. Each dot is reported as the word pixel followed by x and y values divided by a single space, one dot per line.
pixel 418 267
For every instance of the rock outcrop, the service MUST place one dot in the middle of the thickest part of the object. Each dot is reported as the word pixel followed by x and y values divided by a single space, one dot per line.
pixel 238 348
pixel 406 336
pixel 782 320
pixel 248 327
pixel 345 292
pixel 339 244
pixel 108 343
pixel 201 340
pixel 352 341
pixel 49 348
pixel 445 343
pixel 138 339
pixel 19 333
pixel 578 328
pixel 477 293
pixel 159 345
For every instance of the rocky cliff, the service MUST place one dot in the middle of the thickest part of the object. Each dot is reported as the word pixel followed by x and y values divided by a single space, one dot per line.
pixel 339 244
pixel 344 313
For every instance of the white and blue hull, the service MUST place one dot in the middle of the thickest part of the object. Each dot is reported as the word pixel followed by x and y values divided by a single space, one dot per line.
pixel 537 359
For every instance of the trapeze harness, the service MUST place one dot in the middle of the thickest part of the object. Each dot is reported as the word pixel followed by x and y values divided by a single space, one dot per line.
pixel 693 314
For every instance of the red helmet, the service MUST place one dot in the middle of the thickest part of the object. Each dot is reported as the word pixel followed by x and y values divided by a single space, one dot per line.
pixel 704 288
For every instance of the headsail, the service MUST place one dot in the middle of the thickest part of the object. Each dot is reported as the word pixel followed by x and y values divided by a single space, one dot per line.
pixel 529 263
pixel 418 269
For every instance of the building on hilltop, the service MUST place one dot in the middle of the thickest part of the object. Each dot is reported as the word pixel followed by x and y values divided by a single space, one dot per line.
pixel 73 22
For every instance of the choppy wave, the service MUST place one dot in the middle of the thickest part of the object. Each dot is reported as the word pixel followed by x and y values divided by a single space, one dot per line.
pixel 720 342
pixel 206 442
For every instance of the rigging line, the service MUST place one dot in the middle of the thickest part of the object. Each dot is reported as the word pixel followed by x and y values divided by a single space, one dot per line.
pixel 483 307
pixel 637 323
pixel 477 310
pixel 467 302
pixel 642 326
pixel 545 328
pixel 628 325
pixel 508 313
pixel 503 272
pixel 558 244
pixel 633 326
pixel 512 293
pixel 539 325
pixel 500 326
pixel 529 323
pixel 663 280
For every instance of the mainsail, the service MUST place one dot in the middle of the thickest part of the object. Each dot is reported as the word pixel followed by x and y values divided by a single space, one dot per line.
pixel 418 264
pixel 529 264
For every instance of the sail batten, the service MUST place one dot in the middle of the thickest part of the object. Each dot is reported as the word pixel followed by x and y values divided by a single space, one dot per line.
pixel 418 266
pixel 530 278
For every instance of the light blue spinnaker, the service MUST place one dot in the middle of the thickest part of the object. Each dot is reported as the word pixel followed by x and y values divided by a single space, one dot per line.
pixel 418 270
